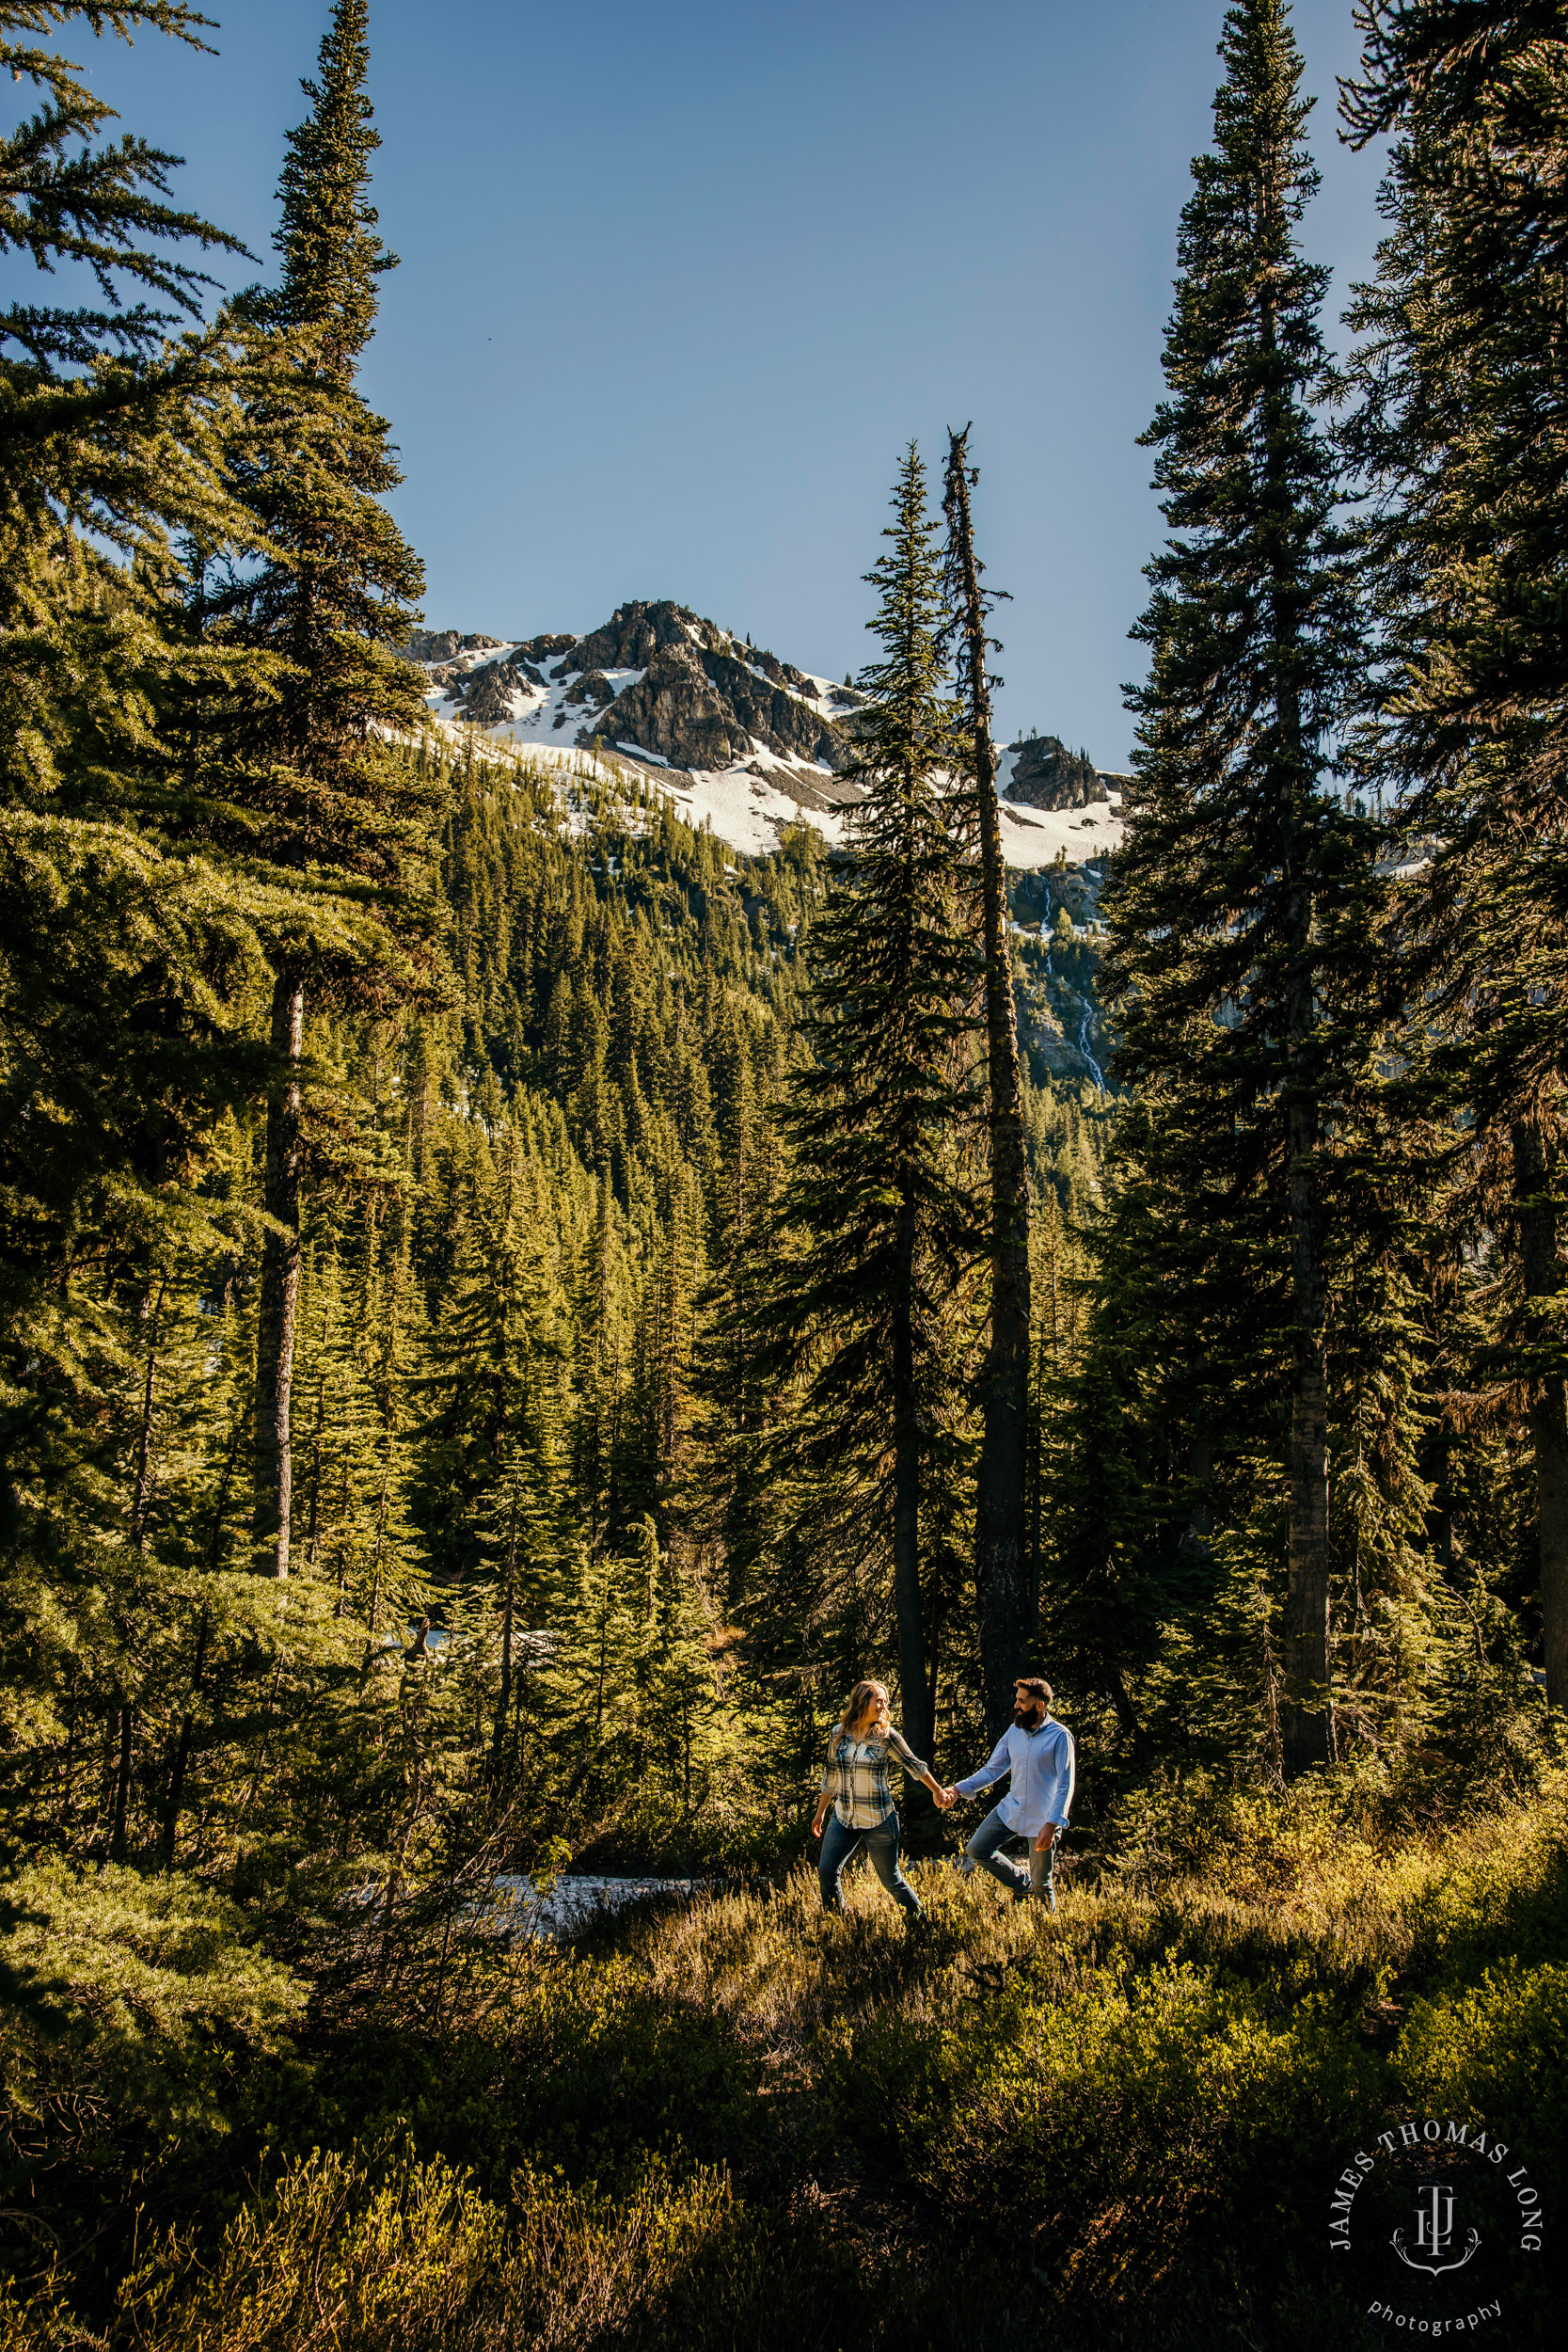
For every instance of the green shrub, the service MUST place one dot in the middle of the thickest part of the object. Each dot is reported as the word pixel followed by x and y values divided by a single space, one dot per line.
pixel 1498 2051
pixel 153 1984
pixel 135 2010
pixel 735 2124
pixel 562 2060
pixel 1155 2119
pixel 347 2255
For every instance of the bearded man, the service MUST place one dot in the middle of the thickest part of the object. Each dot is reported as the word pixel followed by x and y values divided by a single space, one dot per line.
pixel 1037 1753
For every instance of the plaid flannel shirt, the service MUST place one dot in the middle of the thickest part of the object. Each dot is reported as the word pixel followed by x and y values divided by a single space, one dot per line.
pixel 856 1775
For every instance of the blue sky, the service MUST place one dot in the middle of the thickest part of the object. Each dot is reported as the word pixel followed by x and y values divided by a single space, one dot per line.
pixel 678 284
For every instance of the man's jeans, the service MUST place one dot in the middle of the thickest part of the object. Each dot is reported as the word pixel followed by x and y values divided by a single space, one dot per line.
pixel 982 1848
pixel 882 1845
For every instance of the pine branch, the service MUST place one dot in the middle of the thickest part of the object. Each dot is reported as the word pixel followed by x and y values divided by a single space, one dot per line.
pixel 93 208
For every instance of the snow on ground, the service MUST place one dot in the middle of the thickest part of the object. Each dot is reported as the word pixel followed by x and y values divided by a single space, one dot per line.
pixel 515 1906
pixel 1031 837
pixel 540 716
pixel 749 812
pixel 744 810
pixel 563 760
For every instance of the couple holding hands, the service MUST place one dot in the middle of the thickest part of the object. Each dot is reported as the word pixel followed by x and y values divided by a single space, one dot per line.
pixel 1035 1752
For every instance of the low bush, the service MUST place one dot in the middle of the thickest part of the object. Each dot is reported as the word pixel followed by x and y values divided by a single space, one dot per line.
pixel 737 2123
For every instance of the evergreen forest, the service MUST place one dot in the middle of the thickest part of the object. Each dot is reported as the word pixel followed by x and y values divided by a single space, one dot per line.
pixel 509 1307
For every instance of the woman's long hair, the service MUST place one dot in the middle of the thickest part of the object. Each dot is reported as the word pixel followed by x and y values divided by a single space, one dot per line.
pixel 867 1703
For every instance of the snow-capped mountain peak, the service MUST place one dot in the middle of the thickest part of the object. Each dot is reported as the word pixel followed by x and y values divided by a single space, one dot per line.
pixel 735 736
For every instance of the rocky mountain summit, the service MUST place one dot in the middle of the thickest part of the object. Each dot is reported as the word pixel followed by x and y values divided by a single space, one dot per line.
pixel 751 745
pixel 1044 774
pixel 660 688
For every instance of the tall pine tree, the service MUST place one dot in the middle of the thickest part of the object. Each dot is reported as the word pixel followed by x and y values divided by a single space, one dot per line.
pixel 340 811
pixel 121 999
pixel 1235 908
pixel 877 1225
pixel 1000 1588
pixel 1461 435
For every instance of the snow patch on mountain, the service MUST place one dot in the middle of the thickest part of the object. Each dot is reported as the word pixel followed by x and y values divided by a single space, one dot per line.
pixel 783 734
pixel 1034 837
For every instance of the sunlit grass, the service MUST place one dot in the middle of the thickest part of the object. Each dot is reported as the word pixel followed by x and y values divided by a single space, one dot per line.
pixel 737 2121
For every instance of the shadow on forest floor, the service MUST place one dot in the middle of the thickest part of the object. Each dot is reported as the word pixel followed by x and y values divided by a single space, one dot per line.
pixel 731 2122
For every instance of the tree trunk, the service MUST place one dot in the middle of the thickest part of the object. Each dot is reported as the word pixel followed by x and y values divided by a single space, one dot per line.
pixel 504 1702
pixel 312 1529
pixel 394 1883
pixel 1198 1537
pixel 933 1660
pixel 372 1621
pixel 68 1763
pixel 914 1698
pixel 142 1499
pixel 1307 1716
pixel 1000 1561
pixel 279 1296
pixel 1307 1721
pixel 266 1738
pixel 226 1480
pixel 122 1785
pixel 1126 1714
pixel 1548 1412
pixel 179 1766
pixel 181 1763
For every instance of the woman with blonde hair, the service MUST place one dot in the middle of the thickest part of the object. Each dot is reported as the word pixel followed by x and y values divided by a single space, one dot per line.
pixel 855 1785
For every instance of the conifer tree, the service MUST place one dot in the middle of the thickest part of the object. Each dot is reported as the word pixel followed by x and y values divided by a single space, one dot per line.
pixel 1166 1356
pixel 1460 436
pixel 999 1525
pixel 98 207
pixel 519 1529
pixel 126 967
pixel 1236 897
pixel 129 945
pixel 492 1365
pixel 875 1222
pixel 345 813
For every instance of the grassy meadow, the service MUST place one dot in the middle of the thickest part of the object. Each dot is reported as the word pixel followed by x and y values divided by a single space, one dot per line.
pixel 736 2122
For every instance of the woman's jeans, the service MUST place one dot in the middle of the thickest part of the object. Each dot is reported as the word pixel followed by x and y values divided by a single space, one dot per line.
pixel 882 1845
pixel 982 1848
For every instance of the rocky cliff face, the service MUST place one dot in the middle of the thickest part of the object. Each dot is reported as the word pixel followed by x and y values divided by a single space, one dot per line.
pixel 445 645
pixel 1045 774
pixel 486 696
pixel 656 679
pixel 698 706
pixel 742 737
pixel 1061 1021
pixel 674 711
pixel 749 744
pixel 635 633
